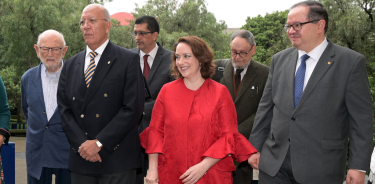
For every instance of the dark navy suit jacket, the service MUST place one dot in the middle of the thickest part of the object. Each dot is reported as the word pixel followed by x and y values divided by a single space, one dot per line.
pixel 46 142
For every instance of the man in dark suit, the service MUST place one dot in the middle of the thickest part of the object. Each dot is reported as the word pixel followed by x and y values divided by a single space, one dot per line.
pixel 47 148
pixel 317 97
pixel 245 80
pixel 154 62
pixel 100 98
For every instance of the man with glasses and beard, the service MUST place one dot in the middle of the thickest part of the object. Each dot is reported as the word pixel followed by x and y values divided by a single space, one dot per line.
pixel 245 80
pixel 47 148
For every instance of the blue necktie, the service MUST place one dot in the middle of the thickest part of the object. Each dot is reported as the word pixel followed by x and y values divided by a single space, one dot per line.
pixel 300 79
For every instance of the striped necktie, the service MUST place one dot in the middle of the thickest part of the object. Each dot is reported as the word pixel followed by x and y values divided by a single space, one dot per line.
pixel 91 69
pixel 299 80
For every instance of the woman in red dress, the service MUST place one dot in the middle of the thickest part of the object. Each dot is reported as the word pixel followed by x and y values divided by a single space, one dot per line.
pixel 193 135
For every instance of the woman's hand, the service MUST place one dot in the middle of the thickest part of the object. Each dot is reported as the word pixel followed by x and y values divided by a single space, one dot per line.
pixel 152 176
pixel 194 173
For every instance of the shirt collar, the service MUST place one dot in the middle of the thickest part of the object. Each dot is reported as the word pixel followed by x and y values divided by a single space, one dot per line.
pixel 317 52
pixel 152 53
pixel 99 50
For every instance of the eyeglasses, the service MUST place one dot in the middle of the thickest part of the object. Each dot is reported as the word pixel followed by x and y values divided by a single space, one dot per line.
pixel 55 50
pixel 90 21
pixel 140 33
pixel 242 54
pixel 297 26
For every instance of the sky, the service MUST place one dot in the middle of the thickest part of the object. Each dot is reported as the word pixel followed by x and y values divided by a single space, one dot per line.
pixel 233 12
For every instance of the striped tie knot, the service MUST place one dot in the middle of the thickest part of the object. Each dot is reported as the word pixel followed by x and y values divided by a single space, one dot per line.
pixel 91 68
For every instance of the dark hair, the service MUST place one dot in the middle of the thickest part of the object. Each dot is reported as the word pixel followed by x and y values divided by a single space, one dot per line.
pixel 152 23
pixel 316 11
pixel 201 51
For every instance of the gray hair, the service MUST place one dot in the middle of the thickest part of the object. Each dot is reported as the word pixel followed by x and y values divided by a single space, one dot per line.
pixel 244 34
pixel 51 31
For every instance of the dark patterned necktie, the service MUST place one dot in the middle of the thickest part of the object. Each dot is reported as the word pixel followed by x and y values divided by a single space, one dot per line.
pixel 237 77
pixel 91 69
pixel 300 79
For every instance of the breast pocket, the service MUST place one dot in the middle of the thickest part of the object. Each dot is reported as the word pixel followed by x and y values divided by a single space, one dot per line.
pixel 328 85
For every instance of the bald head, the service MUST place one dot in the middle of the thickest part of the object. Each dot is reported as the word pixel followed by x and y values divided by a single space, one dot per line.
pixel 105 12
pixel 53 33
pixel 51 49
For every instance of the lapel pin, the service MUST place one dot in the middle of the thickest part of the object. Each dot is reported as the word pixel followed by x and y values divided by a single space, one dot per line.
pixel 329 62
pixel 109 62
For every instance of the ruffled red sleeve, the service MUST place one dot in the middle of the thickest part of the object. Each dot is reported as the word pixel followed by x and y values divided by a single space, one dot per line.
pixel 230 142
pixel 234 144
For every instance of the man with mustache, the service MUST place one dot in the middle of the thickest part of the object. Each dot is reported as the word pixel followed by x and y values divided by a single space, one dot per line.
pixel 100 98
pixel 47 148
pixel 154 61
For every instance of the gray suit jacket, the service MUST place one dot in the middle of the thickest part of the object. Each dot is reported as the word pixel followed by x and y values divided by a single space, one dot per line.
pixel 335 105
pixel 249 95
pixel 158 76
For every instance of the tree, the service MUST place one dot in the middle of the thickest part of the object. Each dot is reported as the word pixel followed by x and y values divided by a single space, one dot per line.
pixel 21 22
pixel 187 18
pixel 269 34
pixel 352 25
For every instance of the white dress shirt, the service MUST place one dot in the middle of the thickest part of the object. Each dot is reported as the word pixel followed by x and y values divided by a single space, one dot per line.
pixel 315 55
pixel 49 85
pixel 99 50
pixel 151 57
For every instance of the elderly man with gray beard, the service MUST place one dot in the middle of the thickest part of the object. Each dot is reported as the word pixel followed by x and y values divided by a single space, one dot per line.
pixel 47 148
pixel 245 80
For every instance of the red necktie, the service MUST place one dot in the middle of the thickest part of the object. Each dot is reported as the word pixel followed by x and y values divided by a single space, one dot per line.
pixel 146 68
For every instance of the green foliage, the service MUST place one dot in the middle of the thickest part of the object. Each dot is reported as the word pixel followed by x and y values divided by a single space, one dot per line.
pixel 269 35
pixel 187 18
pixel 352 25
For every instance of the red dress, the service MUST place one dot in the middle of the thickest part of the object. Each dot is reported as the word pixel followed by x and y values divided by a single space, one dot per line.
pixel 187 126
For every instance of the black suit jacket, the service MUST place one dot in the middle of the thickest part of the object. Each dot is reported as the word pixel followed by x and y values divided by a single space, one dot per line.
pixel 108 110
pixel 158 76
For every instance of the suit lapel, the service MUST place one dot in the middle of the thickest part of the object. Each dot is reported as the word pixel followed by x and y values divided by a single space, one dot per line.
pixel 320 69
pixel 156 63
pixel 247 79
pixel 37 81
pixel 228 77
pixel 105 63
pixel 80 76
pixel 291 67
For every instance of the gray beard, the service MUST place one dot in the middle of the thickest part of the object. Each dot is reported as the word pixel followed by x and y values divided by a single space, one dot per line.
pixel 243 67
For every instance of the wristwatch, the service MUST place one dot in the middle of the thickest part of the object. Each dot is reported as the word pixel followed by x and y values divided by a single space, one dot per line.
pixel 100 145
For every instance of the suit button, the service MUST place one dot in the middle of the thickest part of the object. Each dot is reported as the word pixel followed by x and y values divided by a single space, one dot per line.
pixel 44 112
pixel 82 116
pixel 293 119
pixel 86 133
pixel 74 98
pixel 117 145
pixel 97 115
pixel 144 113
pixel 105 95
pixel 289 140
pixel 46 127
pixel 115 148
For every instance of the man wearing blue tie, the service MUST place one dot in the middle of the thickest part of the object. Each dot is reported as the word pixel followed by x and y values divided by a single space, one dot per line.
pixel 316 100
